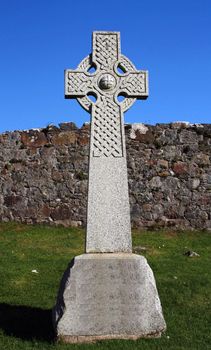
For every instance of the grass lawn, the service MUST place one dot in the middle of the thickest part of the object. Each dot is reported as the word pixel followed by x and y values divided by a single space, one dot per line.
pixel 26 297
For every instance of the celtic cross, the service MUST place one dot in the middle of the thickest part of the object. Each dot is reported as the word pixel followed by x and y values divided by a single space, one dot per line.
pixel 108 215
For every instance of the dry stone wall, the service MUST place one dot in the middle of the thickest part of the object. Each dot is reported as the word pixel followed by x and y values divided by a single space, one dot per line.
pixel 44 173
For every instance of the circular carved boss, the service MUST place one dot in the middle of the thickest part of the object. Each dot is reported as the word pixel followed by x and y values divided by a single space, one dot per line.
pixel 107 82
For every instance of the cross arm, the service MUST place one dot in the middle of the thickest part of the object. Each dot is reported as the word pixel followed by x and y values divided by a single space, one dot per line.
pixel 77 83
pixel 135 84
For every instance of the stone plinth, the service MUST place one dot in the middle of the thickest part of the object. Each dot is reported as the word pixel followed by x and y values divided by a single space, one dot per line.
pixel 108 296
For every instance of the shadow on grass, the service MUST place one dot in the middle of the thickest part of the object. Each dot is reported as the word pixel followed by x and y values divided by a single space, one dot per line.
pixel 26 323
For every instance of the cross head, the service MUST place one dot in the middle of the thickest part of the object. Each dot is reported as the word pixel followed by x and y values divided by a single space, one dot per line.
pixel 114 75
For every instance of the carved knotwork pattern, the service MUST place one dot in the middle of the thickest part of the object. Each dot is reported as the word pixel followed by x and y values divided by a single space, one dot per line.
pixel 85 63
pixel 106 50
pixel 126 65
pixel 107 139
pixel 134 84
pixel 78 82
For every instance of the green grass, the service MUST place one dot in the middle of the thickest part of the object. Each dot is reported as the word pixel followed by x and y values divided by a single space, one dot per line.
pixel 26 298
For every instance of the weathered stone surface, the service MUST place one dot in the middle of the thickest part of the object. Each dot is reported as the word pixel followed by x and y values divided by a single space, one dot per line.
pixel 33 138
pixel 108 296
pixel 68 126
pixel 180 168
pixel 108 224
pixel 64 138
pixel 137 129
pixel 56 175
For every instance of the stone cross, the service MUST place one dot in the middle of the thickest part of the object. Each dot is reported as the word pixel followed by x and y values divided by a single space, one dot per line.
pixel 108 214
pixel 104 295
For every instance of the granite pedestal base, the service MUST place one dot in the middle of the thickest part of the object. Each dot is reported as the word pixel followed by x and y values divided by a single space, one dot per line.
pixel 108 296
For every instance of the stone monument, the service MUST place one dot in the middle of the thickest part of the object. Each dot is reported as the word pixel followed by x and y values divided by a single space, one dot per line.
pixel 108 292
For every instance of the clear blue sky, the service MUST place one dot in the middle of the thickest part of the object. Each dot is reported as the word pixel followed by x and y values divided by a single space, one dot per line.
pixel 40 38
